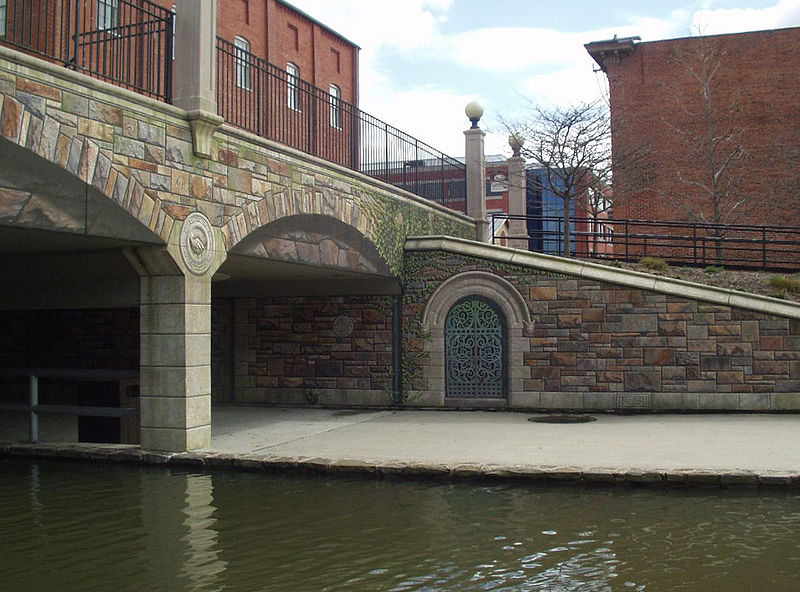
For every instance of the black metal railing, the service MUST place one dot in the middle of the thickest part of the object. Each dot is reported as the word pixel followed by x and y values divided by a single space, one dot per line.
pixel 680 243
pixel 125 42
pixel 259 97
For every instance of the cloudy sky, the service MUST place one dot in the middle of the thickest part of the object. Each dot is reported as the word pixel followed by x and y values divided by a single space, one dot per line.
pixel 423 60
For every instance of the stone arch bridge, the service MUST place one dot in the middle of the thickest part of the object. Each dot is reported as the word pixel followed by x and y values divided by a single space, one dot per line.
pixel 258 274
pixel 105 205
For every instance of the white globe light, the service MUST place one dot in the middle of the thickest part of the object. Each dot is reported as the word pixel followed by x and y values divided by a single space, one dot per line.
pixel 474 111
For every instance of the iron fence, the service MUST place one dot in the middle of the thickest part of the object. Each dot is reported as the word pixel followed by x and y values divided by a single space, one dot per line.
pixel 259 97
pixel 128 43
pixel 682 243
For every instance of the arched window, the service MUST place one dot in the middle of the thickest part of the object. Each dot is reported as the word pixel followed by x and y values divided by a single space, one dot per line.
pixel 475 350
pixel 293 92
pixel 336 106
pixel 242 62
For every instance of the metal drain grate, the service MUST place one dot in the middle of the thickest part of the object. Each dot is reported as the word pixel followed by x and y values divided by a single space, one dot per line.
pixel 562 418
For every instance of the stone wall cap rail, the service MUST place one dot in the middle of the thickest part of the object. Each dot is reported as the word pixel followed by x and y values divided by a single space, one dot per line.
pixel 595 271
pixel 359 177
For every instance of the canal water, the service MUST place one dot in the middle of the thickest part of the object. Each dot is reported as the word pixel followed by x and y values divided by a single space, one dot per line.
pixel 81 527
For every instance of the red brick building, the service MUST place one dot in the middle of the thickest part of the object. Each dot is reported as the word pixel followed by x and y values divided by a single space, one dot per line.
pixel 282 35
pixel 706 129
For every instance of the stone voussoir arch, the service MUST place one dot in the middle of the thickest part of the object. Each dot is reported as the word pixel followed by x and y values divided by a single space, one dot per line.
pixel 469 284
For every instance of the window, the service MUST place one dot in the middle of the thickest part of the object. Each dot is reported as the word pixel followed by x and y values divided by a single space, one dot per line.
pixel 242 62
pixel 3 16
pixel 107 14
pixel 292 77
pixel 174 28
pixel 336 106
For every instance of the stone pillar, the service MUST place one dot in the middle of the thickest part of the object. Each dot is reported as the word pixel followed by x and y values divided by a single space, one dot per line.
pixel 476 172
pixel 517 199
pixel 175 336
pixel 195 69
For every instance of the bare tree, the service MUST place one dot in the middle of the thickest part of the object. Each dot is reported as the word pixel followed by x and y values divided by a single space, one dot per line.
pixel 712 137
pixel 573 147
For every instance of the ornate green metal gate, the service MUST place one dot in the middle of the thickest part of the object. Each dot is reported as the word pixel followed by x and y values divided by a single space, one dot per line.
pixel 475 350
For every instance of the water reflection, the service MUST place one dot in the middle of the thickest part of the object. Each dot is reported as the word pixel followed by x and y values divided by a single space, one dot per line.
pixel 82 527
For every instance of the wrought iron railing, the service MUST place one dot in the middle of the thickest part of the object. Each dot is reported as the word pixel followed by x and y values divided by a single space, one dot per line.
pixel 125 42
pixel 683 243
pixel 259 97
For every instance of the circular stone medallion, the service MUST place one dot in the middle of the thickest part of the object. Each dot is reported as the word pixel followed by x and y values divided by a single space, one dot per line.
pixel 343 326
pixel 197 243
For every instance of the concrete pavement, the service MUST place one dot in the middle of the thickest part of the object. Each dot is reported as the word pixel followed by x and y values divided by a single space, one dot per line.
pixel 498 442
pixel 723 450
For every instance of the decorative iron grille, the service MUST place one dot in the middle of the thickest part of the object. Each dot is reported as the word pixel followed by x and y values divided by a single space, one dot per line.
pixel 475 350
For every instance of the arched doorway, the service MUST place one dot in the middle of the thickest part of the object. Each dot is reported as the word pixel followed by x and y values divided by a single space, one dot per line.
pixel 475 350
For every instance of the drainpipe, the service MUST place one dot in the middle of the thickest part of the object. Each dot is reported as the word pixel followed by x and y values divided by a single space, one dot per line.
pixel 397 349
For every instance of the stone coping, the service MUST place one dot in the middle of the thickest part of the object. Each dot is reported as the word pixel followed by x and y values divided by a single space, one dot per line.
pixel 202 461
pixel 595 271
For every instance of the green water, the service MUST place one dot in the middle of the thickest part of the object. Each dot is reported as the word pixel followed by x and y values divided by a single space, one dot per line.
pixel 81 527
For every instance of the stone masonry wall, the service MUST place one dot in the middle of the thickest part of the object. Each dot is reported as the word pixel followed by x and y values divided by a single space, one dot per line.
pixel 139 153
pixel 309 350
pixel 594 345
pixel 94 339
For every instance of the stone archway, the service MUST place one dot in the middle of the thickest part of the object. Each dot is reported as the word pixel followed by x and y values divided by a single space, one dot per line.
pixel 470 284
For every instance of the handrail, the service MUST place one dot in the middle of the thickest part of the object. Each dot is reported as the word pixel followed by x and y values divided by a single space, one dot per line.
pixel 33 408
pixel 128 44
pixel 742 246
pixel 264 99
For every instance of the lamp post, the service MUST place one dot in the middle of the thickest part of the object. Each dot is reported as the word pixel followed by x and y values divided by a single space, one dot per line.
pixel 476 171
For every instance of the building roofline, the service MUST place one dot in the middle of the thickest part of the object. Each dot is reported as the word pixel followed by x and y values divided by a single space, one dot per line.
pixel 611 49
pixel 738 33
pixel 608 50
pixel 317 22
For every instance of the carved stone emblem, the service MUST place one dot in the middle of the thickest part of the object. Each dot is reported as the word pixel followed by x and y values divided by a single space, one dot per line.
pixel 197 243
pixel 343 326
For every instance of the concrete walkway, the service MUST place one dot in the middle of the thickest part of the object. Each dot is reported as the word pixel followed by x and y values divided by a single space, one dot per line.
pixel 647 447
pixel 723 450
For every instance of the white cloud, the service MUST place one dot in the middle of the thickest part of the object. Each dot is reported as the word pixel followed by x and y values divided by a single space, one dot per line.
pixel 785 13
pixel 541 64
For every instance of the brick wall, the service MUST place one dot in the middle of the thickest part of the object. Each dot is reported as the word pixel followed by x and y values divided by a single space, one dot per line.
pixel 294 350
pixel 100 338
pixel 596 345
pixel 657 108
pixel 279 34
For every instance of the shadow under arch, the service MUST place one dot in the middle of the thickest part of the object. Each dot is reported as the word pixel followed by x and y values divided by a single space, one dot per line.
pixel 314 239
pixel 36 194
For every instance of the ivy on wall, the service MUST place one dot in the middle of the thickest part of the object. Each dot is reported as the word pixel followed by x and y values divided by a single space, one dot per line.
pixel 392 220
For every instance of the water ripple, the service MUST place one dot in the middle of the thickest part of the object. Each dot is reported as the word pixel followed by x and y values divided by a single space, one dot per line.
pixel 76 527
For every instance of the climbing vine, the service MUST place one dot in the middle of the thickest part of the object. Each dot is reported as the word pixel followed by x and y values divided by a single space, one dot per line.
pixel 392 220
